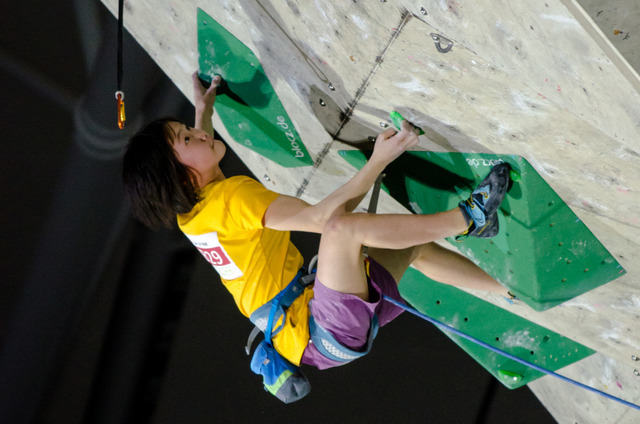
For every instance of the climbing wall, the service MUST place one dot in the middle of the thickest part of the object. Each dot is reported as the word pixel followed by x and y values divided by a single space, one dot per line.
pixel 508 332
pixel 552 81
pixel 543 253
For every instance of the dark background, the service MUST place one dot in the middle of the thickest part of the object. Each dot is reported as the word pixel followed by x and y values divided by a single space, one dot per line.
pixel 103 321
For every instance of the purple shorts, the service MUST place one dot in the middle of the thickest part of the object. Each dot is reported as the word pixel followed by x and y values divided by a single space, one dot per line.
pixel 347 317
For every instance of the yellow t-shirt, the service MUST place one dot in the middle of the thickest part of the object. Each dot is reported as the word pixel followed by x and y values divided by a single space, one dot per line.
pixel 254 262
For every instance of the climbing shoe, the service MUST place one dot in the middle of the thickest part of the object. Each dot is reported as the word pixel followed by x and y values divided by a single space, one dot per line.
pixel 480 209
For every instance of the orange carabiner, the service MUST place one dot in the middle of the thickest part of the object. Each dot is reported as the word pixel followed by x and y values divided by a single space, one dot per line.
pixel 121 115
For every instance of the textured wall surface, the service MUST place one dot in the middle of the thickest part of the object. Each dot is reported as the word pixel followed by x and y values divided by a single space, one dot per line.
pixel 547 80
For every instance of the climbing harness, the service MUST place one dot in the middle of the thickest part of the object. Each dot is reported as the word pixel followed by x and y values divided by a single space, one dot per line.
pixel 329 347
pixel 119 92
pixel 271 312
pixel 280 377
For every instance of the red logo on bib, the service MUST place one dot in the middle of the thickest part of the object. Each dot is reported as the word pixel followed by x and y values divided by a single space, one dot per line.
pixel 210 247
pixel 215 256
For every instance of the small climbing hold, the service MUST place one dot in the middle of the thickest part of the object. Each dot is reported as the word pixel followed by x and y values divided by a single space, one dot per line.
pixel 508 376
pixel 397 119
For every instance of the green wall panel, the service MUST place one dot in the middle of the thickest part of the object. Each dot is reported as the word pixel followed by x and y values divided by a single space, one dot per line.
pixel 494 326
pixel 247 103
pixel 544 253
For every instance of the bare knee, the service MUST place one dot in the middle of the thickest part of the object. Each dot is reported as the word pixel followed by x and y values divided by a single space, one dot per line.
pixel 424 251
pixel 338 226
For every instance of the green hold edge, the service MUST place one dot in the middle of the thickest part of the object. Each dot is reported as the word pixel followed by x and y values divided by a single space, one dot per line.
pixel 246 102
pixel 397 119
pixel 544 253
pixel 494 326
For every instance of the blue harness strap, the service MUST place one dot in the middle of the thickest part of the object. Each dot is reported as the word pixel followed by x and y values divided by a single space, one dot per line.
pixel 265 316
pixel 329 347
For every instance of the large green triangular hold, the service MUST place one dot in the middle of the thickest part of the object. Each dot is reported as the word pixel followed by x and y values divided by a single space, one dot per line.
pixel 247 104
pixel 494 326
pixel 543 253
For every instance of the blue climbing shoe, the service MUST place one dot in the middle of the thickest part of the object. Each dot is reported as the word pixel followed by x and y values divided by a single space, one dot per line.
pixel 480 209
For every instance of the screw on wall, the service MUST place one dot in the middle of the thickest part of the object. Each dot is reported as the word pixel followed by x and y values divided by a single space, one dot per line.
pixel 443 44
pixel 322 103
pixel 634 358
pixel 423 11
pixel 636 372
pixel 331 87
pixel 384 124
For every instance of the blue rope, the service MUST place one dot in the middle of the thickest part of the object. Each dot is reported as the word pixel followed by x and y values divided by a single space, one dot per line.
pixel 505 354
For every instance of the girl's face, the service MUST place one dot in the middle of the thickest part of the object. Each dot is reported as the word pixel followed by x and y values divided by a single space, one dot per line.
pixel 198 150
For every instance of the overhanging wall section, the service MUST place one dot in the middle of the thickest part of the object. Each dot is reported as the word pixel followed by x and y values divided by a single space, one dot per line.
pixel 527 79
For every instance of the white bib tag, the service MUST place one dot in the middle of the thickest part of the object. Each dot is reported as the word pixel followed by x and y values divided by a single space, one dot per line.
pixel 210 247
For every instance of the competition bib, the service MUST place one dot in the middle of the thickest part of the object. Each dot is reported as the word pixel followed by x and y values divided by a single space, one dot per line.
pixel 210 247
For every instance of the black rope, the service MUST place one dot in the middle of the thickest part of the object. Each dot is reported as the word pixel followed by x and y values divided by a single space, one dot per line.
pixel 120 30
pixel 119 92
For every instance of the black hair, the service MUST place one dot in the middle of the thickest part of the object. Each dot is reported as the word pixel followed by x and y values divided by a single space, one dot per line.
pixel 157 184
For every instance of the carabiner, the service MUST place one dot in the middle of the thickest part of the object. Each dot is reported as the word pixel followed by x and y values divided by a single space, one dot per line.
pixel 121 115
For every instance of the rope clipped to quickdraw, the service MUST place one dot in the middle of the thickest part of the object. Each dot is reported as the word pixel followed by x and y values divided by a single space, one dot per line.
pixel 119 92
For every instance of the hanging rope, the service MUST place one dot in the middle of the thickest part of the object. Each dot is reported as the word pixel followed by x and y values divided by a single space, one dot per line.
pixel 505 354
pixel 119 92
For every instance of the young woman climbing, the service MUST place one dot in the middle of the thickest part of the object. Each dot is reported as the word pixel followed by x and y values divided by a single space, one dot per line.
pixel 172 173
